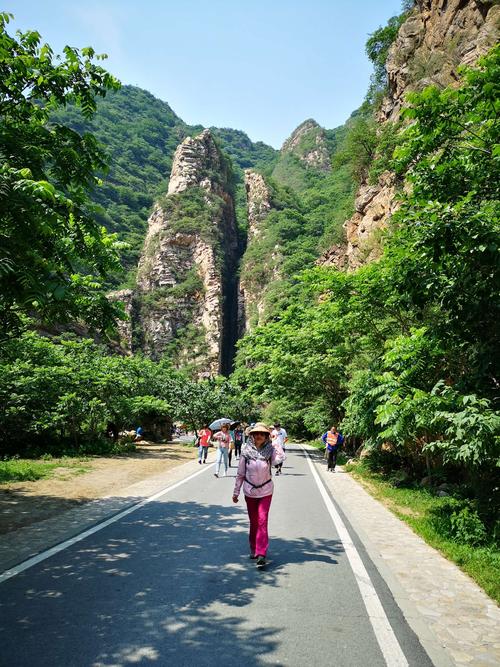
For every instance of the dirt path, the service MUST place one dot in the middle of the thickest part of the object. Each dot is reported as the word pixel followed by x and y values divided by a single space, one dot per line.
pixel 25 503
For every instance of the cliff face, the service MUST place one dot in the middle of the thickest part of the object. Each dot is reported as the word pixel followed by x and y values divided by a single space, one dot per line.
pixel 251 295
pixel 305 150
pixel 437 37
pixel 185 298
pixel 308 143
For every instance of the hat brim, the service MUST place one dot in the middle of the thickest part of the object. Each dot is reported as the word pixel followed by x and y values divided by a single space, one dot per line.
pixel 259 430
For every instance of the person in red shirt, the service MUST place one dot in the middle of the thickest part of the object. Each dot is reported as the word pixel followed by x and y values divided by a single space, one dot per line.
pixel 203 443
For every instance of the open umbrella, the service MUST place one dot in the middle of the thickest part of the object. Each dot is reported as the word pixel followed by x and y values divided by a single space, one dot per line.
pixel 217 424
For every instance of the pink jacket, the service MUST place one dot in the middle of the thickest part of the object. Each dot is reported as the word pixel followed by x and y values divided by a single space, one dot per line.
pixel 257 472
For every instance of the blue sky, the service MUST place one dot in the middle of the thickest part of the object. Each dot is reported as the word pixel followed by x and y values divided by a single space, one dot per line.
pixel 255 65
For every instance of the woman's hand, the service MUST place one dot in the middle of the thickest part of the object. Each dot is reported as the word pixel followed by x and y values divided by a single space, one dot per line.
pixel 235 499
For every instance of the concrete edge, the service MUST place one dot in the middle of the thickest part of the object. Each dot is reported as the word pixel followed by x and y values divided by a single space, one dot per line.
pixel 430 642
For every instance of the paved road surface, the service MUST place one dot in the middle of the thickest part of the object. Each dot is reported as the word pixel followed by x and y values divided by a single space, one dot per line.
pixel 171 584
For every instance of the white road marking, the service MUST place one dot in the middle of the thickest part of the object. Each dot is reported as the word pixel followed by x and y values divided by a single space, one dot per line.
pixel 25 565
pixel 389 645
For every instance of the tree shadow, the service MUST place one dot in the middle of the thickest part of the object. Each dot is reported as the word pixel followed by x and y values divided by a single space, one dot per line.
pixel 169 584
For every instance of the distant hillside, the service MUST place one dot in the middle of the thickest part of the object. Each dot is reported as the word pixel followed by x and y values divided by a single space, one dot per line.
pixel 140 134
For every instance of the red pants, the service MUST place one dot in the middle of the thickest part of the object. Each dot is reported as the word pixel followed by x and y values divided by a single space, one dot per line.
pixel 258 513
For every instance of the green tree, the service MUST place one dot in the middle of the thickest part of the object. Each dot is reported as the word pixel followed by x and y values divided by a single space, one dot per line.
pixel 377 50
pixel 54 256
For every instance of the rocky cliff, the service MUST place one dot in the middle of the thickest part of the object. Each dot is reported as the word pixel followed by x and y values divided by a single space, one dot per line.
pixel 308 143
pixel 304 151
pixel 437 37
pixel 251 293
pixel 185 298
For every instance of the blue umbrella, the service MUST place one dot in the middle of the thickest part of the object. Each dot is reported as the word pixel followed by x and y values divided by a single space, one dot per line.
pixel 217 424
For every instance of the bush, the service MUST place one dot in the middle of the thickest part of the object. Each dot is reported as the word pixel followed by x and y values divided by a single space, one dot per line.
pixel 458 520
pixel 467 527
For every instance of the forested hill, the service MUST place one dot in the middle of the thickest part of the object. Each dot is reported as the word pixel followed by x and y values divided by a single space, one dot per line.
pixel 140 134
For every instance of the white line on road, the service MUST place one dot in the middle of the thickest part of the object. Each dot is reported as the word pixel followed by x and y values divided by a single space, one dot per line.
pixel 25 565
pixel 389 645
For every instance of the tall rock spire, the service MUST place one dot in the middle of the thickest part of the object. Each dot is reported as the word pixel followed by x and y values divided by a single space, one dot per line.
pixel 186 292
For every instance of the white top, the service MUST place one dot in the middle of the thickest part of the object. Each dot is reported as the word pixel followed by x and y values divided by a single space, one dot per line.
pixel 279 435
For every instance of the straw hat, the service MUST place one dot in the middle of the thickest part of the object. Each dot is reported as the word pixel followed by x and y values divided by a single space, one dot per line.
pixel 259 427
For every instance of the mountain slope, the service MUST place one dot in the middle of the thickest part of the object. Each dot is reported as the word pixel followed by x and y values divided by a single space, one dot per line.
pixel 140 134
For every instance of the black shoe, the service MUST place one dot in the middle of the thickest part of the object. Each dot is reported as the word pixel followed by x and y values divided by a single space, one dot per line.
pixel 215 474
pixel 261 561
pixel 252 556
pixel 199 462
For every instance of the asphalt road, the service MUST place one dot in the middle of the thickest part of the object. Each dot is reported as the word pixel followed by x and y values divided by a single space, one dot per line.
pixel 171 584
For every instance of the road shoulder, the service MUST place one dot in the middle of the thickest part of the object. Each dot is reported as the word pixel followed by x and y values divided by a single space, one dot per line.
pixel 456 622
pixel 26 542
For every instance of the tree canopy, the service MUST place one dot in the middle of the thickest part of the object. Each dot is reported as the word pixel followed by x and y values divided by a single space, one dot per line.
pixel 54 256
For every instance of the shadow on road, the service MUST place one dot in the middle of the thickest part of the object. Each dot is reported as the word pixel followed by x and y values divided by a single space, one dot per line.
pixel 156 588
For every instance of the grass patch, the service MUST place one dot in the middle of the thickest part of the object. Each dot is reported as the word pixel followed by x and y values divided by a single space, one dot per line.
pixel 419 507
pixel 30 470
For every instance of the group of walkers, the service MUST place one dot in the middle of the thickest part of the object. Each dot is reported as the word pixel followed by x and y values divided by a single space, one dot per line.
pixel 227 441
pixel 258 449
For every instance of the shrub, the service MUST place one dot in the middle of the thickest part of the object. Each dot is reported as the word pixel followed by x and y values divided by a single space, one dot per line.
pixel 457 519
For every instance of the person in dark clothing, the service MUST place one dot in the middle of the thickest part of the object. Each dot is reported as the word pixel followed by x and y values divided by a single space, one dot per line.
pixel 239 437
pixel 333 441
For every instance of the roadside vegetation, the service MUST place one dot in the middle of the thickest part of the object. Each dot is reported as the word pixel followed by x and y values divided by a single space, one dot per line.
pixel 449 523
pixel 29 470
pixel 402 353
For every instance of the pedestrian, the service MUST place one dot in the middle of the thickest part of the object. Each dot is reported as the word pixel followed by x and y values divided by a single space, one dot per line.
pixel 254 474
pixel 279 437
pixel 231 445
pixel 239 440
pixel 221 440
pixel 333 440
pixel 203 443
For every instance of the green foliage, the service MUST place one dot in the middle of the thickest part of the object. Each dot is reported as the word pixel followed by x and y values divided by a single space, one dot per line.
pixel 377 50
pixel 30 470
pixel 60 394
pixel 386 142
pixel 244 154
pixel 457 519
pixel 24 470
pixel 451 148
pixel 292 172
pixel 140 134
pixel 359 146
pixel 469 426
pixel 54 255
pixel 194 211
pixel 404 349
pixel 309 208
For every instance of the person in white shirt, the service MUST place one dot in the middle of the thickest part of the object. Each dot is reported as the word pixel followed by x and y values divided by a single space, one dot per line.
pixel 279 437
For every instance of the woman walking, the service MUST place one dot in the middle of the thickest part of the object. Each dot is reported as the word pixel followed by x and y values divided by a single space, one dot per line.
pixel 221 440
pixel 254 473
pixel 203 442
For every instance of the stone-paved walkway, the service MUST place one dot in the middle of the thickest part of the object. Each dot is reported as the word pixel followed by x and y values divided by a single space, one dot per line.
pixel 457 623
